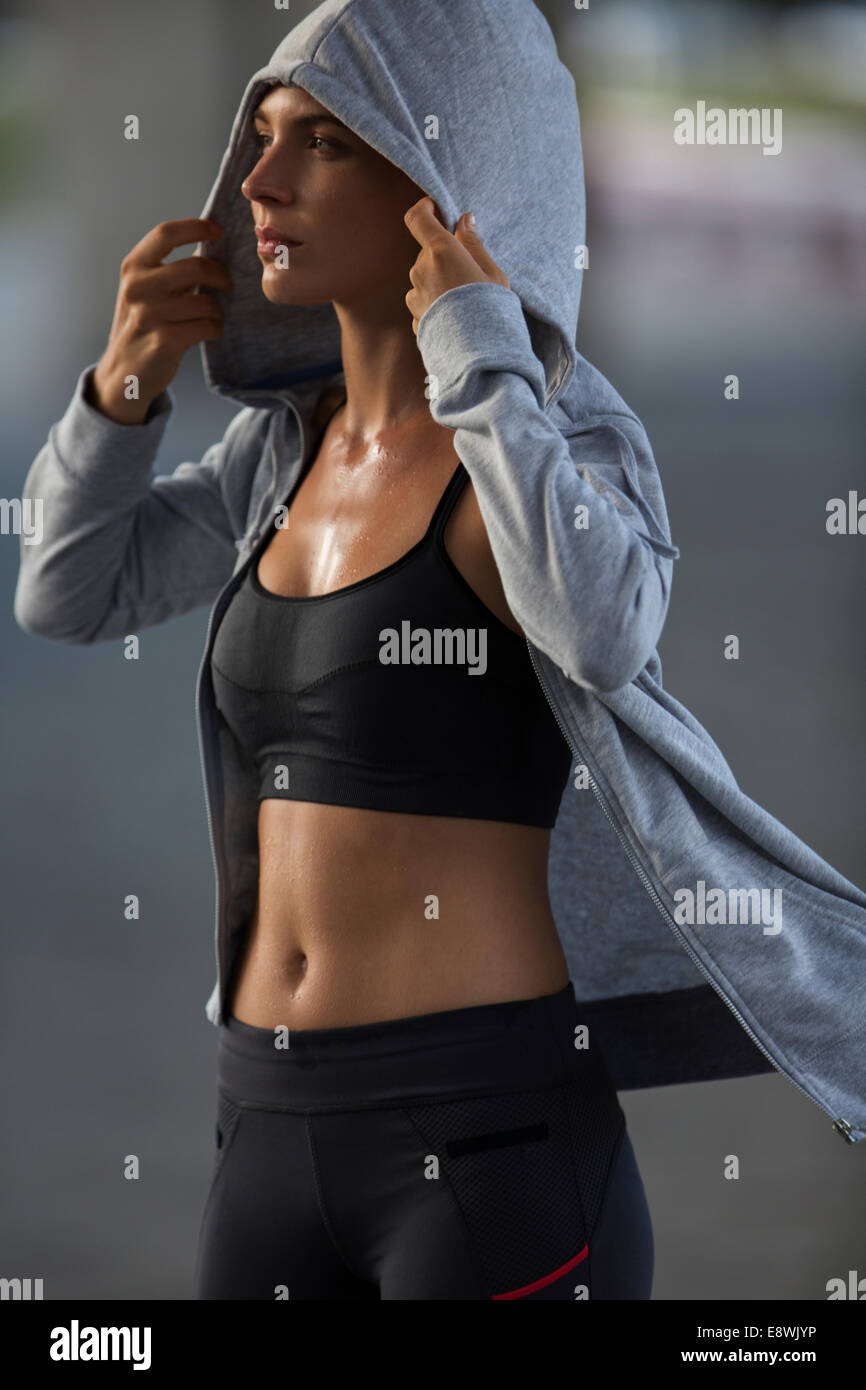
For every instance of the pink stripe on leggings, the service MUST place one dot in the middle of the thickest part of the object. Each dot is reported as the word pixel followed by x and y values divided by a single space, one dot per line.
pixel 547 1279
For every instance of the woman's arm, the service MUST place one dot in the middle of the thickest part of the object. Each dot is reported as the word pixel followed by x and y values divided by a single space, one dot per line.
pixel 592 596
pixel 116 546
pixel 121 547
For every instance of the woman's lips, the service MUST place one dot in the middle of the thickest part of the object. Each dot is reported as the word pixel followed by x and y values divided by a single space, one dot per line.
pixel 268 240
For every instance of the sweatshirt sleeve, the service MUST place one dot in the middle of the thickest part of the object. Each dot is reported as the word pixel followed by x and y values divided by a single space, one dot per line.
pixel 585 565
pixel 117 547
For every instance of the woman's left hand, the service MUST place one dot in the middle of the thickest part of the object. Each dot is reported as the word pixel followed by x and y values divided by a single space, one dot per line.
pixel 445 260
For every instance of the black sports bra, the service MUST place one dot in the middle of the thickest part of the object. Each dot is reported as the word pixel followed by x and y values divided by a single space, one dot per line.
pixel 400 692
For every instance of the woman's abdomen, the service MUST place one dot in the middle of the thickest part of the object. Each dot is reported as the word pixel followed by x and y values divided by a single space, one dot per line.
pixel 366 915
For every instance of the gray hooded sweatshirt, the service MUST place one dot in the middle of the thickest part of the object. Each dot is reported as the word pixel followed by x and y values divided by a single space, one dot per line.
pixel 703 938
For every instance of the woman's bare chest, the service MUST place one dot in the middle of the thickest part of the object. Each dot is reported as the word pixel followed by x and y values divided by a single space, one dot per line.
pixel 351 519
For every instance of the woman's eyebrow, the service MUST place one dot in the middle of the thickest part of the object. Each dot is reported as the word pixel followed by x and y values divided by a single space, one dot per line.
pixel 324 119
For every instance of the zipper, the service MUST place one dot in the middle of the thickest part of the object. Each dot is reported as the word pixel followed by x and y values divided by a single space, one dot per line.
pixel 840 1126
pixel 208 793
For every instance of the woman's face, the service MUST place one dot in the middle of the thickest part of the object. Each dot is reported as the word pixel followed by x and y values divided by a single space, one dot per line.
pixel 319 184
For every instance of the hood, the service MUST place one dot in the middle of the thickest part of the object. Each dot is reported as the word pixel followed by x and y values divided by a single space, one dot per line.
pixel 508 135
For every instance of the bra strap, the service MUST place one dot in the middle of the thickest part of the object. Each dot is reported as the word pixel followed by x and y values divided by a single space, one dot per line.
pixel 456 483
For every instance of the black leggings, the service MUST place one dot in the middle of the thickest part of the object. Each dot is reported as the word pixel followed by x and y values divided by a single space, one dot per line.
pixel 475 1153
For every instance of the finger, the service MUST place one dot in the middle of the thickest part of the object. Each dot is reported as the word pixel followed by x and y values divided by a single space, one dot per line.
pixel 180 309
pixel 160 240
pixel 469 238
pixel 413 304
pixel 180 336
pixel 412 307
pixel 179 276
pixel 423 223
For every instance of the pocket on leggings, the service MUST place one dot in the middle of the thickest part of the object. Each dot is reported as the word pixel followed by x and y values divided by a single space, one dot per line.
pixel 226 1127
pixel 527 1171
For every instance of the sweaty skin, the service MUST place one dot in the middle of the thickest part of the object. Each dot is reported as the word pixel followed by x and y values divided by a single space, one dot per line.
pixel 339 934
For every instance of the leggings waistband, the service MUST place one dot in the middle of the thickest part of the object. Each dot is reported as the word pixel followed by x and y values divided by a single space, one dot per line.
pixel 521 1044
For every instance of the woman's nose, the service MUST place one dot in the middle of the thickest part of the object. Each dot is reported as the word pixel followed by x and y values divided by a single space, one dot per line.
pixel 261 182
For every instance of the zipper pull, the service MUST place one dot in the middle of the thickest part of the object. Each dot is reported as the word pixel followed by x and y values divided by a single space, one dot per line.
pixel 842 1127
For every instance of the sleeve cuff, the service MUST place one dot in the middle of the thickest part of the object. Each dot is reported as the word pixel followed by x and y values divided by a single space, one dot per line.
pixel 476 326
pixel 100 454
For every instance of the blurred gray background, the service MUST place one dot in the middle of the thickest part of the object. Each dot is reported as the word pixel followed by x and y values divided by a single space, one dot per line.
pixel 704 261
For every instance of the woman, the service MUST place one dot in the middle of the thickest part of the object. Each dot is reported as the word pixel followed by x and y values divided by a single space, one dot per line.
pixel 372 825
pixel 439 565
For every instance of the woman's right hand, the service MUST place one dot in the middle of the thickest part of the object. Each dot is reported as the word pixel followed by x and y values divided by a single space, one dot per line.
pixel 158 316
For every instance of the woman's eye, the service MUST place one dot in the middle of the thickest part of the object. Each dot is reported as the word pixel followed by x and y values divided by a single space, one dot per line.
pixel 259 138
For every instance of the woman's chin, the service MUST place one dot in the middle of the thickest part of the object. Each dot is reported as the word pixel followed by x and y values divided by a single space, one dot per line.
pixel 281 292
